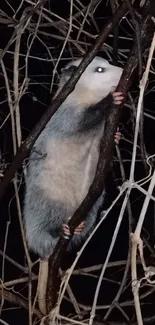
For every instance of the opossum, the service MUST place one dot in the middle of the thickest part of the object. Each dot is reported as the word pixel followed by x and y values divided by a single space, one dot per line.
pixel 64 158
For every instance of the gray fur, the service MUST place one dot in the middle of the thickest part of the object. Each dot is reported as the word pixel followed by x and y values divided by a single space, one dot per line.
pixel 63 160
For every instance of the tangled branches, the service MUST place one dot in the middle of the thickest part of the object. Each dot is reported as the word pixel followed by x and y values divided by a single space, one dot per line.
pixel 39 39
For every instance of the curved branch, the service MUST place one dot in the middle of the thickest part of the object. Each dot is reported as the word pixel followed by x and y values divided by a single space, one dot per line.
pixel 17 300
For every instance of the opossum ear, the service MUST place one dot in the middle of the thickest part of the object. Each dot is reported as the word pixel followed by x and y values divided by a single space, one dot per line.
pixel 68 71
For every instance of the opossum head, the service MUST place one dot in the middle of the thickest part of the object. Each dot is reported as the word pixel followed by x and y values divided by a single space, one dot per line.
pixel 81 111
pixel 97 81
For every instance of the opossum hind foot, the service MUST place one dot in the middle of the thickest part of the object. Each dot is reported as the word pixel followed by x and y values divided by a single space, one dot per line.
pixel 77 230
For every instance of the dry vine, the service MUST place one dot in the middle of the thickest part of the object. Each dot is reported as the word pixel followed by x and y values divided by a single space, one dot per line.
pixel 39 40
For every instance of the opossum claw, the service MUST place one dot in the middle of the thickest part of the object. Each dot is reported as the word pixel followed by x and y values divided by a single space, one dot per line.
pixel 117 137
pixel 77 230
pixel 118 97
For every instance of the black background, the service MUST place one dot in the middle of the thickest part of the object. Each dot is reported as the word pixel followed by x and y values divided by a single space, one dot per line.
pixel 32 106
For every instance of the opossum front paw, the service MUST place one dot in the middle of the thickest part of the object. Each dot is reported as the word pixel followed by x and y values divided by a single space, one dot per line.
pixel 117 137
pixel 117 97
pixel 77 230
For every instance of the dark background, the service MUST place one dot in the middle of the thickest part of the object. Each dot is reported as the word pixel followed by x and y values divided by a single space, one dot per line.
pixel 32 105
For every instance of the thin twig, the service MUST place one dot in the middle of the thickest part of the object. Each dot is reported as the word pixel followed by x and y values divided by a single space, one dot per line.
pixel 136 235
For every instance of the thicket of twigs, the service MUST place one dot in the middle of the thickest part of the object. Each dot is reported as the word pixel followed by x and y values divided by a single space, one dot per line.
pixel 37 39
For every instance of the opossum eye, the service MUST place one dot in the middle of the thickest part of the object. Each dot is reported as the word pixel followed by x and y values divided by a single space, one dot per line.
pixel 100 69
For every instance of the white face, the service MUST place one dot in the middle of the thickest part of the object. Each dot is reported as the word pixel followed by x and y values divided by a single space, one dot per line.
pixel 100 74
pixel 97 81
